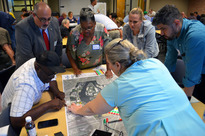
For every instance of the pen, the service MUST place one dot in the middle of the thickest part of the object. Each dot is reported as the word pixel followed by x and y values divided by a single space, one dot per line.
pixel 115 121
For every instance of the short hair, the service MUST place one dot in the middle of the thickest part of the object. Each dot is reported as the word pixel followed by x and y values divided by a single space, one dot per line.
pixel 25 15
pixel 24 10
pixel 86 14
pixel 137 11
pixel 114 15
pixel 91 1
pixel 120 20
pixel 196 12
pixel 69 13
pixel 124 52
pixel 65 21
pixel 167 15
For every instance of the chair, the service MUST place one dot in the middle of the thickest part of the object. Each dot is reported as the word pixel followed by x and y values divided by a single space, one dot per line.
pixel 5 75
pixel 179 72
pixel 162 42
pixel 5 120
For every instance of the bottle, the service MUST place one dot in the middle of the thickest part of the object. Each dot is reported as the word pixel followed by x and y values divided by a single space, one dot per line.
pixel 30 126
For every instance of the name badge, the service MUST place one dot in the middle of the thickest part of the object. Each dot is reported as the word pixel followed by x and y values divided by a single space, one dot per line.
pixel 96 46
pixel 141 36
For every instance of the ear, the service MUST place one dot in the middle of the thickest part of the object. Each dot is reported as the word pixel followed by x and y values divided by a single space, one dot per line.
pixel 177 22
pixel 118 66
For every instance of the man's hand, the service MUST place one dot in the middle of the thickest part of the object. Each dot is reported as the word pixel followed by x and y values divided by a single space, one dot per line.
pixel 108 74
pixel 57 104
pixel 56 92
pixel 60 95
pixel 74 108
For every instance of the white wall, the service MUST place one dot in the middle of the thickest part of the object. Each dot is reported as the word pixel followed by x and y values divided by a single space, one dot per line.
pixel 182 5
pixel 73 5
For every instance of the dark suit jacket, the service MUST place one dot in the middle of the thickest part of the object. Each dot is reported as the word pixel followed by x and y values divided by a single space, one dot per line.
pixel 30 42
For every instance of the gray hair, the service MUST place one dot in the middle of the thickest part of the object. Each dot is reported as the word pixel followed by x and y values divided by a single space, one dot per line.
pixel 124 52
pixel 167 15
pixel 65 21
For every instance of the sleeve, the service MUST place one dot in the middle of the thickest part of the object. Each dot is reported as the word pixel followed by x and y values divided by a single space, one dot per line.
pixel 109 93
pixel 24 51
pixel 151 47
pixel 5 37
pixel 23 100
pixel 171 57
pixel 125 33
pixel 58 47
pixel 194 60
pixel 72 45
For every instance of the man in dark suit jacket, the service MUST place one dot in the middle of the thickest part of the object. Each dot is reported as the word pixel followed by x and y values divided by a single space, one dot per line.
pixel 29 34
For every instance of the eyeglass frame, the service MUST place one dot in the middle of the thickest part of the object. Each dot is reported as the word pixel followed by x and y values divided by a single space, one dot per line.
pixel 118 43
pixel 43 20
pixel 87 29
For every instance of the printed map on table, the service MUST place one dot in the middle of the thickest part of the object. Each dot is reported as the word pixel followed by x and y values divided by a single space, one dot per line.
pixel 81 90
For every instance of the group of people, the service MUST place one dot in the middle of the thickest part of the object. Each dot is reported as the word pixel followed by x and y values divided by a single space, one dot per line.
pixel 195 16
pixel 149 100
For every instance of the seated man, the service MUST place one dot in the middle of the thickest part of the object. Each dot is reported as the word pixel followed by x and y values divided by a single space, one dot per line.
pixel 25 86
pixel 6 52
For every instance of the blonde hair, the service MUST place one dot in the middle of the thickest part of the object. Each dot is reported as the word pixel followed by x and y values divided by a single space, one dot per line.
pixel 138 11
pixel 124 52
pixel 120 20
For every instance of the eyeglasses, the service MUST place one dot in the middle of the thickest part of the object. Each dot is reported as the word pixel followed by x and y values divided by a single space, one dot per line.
pixel 118 43
pixel 88 29
pixel 43 20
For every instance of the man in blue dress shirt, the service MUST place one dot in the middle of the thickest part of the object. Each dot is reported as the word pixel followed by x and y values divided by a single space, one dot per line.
pixel 187 37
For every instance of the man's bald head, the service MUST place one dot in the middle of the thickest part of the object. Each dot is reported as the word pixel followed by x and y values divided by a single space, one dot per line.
pixel 42 15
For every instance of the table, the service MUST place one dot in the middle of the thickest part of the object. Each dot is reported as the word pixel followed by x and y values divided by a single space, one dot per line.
pixel 61 114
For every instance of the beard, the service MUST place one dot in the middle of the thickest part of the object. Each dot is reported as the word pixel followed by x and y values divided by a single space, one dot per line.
pixel 173 34
pixel 44 27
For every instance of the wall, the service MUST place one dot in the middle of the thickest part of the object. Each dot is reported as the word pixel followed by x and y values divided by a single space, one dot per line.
pixel 72 5
pixel 196 5
pixel 54 5
pixel 109 5
pixel 182 5
pixel 1 6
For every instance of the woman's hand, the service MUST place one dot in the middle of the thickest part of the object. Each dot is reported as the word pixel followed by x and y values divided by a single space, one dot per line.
pixel 74 108
pixel 108 74
pixel 77 71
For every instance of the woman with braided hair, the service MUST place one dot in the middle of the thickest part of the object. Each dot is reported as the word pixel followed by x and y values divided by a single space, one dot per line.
pixel 149 100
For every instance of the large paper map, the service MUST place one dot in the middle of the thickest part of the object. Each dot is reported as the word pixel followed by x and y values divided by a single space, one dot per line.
pixel 81 90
